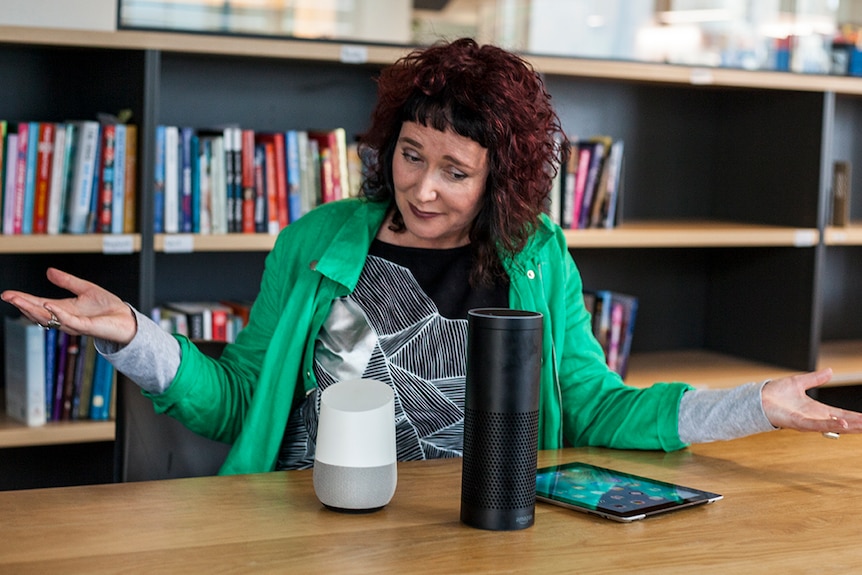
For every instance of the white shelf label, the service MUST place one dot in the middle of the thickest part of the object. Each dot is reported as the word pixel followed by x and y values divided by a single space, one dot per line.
pixel 701 76
pixel 351 54
pixel 117 244
pixel 805 238
pixel 179 244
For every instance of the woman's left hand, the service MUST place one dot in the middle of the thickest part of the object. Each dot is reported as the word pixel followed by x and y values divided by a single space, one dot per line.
pixel 788 406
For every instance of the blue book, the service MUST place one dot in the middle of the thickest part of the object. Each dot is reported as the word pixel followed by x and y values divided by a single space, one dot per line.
pixel 186 219
pixel 294 175
pixel 196 183
pixel 30 178
pixel 103 377
pixel 50 369
pixel 119 188
pixel 159 183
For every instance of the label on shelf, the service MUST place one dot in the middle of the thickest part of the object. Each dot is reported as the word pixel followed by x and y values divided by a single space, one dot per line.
pixel 701 76
pixel 805 238
pixel 117 244
pixel 179 243
pixel 352 54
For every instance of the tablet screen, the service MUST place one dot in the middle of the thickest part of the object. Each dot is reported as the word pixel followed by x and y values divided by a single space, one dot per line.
pixel 613 494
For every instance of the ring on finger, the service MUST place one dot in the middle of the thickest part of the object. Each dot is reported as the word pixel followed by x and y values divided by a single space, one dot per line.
pixel 53 323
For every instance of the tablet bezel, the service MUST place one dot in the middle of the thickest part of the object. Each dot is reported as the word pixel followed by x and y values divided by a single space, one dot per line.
pixel 691 498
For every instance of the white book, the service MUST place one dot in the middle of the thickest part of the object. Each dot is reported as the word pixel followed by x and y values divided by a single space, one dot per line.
pixel 218 186
pixel 172 179
pixel 86 151
pixel 11 171
pixel 118 202
pixel 25 371
pixel 57 190
pixel 85 163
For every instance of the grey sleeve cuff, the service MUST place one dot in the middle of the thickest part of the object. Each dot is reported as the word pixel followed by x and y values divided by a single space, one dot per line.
pixel 719 414
pixel 151 359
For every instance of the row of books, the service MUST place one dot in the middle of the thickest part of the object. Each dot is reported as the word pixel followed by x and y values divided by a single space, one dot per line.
pixel 238 180
pixel 54 376
pixel 68 177
pixel 613 315
pixel 204 320
pixel 587 191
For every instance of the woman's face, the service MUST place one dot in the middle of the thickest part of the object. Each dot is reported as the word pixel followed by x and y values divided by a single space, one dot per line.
pixel 439 180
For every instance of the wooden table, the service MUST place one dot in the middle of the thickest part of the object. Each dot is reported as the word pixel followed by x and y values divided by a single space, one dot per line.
pixel 792 505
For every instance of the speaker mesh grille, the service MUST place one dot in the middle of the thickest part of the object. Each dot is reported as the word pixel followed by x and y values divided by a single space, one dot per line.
pixel 499 465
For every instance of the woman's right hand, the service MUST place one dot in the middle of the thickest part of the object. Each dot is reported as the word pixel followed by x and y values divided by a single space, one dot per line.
pixel 92 311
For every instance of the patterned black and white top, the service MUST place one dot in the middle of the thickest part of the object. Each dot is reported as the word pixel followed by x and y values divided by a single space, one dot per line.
pixel 404 324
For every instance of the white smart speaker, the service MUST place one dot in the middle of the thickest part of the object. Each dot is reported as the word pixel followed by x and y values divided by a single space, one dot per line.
pixel 355 461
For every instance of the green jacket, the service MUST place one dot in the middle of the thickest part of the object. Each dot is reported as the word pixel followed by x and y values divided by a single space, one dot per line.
pixel 245 397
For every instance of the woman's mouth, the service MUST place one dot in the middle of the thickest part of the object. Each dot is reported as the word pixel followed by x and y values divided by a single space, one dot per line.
pixel 421 214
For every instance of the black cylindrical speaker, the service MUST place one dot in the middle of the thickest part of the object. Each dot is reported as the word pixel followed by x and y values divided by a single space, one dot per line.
pixel 501 418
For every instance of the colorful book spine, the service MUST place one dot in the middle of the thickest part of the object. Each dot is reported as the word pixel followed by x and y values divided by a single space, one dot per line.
pixel 106 178
pixel 42 187
pixel 159 182
pixel 118 203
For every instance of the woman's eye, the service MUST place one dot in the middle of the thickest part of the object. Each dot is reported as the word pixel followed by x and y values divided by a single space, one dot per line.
pixel 458 176
pixel 410 157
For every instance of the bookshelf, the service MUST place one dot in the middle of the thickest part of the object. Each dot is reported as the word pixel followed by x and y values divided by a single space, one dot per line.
pixel 727 177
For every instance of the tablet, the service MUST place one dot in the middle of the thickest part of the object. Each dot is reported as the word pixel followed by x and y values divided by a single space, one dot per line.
pixel 613 494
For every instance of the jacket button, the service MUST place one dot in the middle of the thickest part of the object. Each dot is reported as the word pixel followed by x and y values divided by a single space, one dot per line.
pixel 531 274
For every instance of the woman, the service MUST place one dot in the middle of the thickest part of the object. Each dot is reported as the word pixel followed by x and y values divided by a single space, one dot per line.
pixel 463 154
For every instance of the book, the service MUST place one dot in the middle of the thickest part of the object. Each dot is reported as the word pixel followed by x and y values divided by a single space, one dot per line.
pixel 261 194
pixel 59 383
pixel 585 154
pixel 613 322
pixel 31 159
pixel 102 389
pixel 66 395
pixel 601 145
pixel 159 181
pixel 44 159
pixel 840 194
pixel 247 200
pixel 605 204
pixel 25 371
pixel 294 175
pixel 51 342
pixel 83 176
pixel 105 195
pixel 186 205
pixel 85 375
pixel 205 320
pixel 130 194
pixel 19 190
pixel 172 180
pixel 118 202
pixel 57 188
pixel 11 167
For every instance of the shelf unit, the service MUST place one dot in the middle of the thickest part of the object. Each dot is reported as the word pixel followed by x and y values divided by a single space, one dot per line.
pixel 726 198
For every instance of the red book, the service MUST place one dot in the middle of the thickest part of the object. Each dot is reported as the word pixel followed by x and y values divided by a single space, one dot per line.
pixel 106 178
pixel 247 166
pixel 279 173
pixel 330 173
pixel 44 157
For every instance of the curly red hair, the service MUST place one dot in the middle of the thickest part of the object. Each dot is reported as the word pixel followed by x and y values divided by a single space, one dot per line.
pixel 493 97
